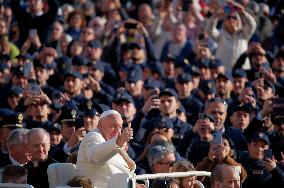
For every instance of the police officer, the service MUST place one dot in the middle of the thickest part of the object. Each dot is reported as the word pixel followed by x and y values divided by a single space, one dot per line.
pixel 192 105
pixel 72 128
pixel 169 104
pixel 9 123
pixel 262 168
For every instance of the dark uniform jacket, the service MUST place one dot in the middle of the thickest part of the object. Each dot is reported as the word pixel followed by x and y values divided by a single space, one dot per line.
pixel 37 175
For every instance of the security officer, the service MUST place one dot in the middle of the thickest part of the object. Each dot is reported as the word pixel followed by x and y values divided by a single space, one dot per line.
pixel 239 81
pixel 42 75
pixel 9 123
pixel 91 115
pixel 102 92
pixel 72 128
pixel 240 116
pixel 263 170
pixel 73 86
pixel 192 105
pixel 224 87
pixel 169 104
pixel 277 139
pixel 134 85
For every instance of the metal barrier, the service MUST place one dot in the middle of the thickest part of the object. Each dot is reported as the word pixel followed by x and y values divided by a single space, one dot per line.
pixel 170 175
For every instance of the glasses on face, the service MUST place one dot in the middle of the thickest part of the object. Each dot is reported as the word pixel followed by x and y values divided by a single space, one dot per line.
pixel 170 163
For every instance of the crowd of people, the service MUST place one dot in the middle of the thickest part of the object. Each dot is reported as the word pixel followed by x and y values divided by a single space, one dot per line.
pixel 153 86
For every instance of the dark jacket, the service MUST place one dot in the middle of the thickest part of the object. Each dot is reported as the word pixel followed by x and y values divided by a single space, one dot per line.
pixel 37 175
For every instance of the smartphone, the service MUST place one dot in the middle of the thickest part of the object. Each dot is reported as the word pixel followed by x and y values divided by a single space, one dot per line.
pixel 32 32
pixel 34 89
pixel 154 92
pixel 28 69
pixel 217 138
pixel 268 153
pixel 129 25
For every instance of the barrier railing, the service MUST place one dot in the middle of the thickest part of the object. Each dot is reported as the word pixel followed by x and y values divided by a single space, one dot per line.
pixel 170 175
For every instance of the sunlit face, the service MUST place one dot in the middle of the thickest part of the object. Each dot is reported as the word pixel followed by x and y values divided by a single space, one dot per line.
pixel 168 105
pixel 57 31
pixel 20 152
pixel 184 88
pixel 231 178
pixel 38 146
pixel 67 130
pixel 264 93
pixel 41 75
pixel 188 182
pixel 256 149
pixel 110 126
pixel 165 166
pixel 72 85
pixel 239 84
pixel 55 137
pixel 135 88
pixel 91 122
pixel 219 111
pixel 126 109
pixel 40 111
pixel 223 86
pixel 36 5
pixel 240 119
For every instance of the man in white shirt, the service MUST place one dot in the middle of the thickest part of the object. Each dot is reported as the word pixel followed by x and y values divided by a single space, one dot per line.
pixel 102 152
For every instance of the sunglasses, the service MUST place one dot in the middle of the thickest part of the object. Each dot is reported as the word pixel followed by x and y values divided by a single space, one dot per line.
pixel 170 163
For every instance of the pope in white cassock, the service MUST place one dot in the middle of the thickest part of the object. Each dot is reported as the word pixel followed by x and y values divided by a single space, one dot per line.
pixel 102 154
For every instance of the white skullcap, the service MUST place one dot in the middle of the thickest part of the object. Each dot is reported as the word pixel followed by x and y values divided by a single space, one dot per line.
pixel 108 112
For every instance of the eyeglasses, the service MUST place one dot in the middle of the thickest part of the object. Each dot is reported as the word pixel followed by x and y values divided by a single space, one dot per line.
pixel 170 163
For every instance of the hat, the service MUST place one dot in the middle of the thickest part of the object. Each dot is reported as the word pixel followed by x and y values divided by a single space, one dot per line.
pixel 280 54
pixel 54 126
pixel 3 66
pixel 122 96
pixel 239 73
pixel 204 63
pixel 79 61
pixel 269 84
pixel 15 90
pixel 90 108
pixel 215 63
pixel 135 45
pixel 152 84
pixel 226 75
pixel 69 112
pixel 182 78
pixel 193 70
pixel 74 74
pixel 94 44
pixel 259 136
pixel 169 92
pixel 245 107
pixel 19 71
pixel 207 86
pixel 98 66
pixel 170 58
pixel 156 67
pixel 63 65
pixel 13 121
pixel 38 64
pixel 135 75
pixel 108 113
